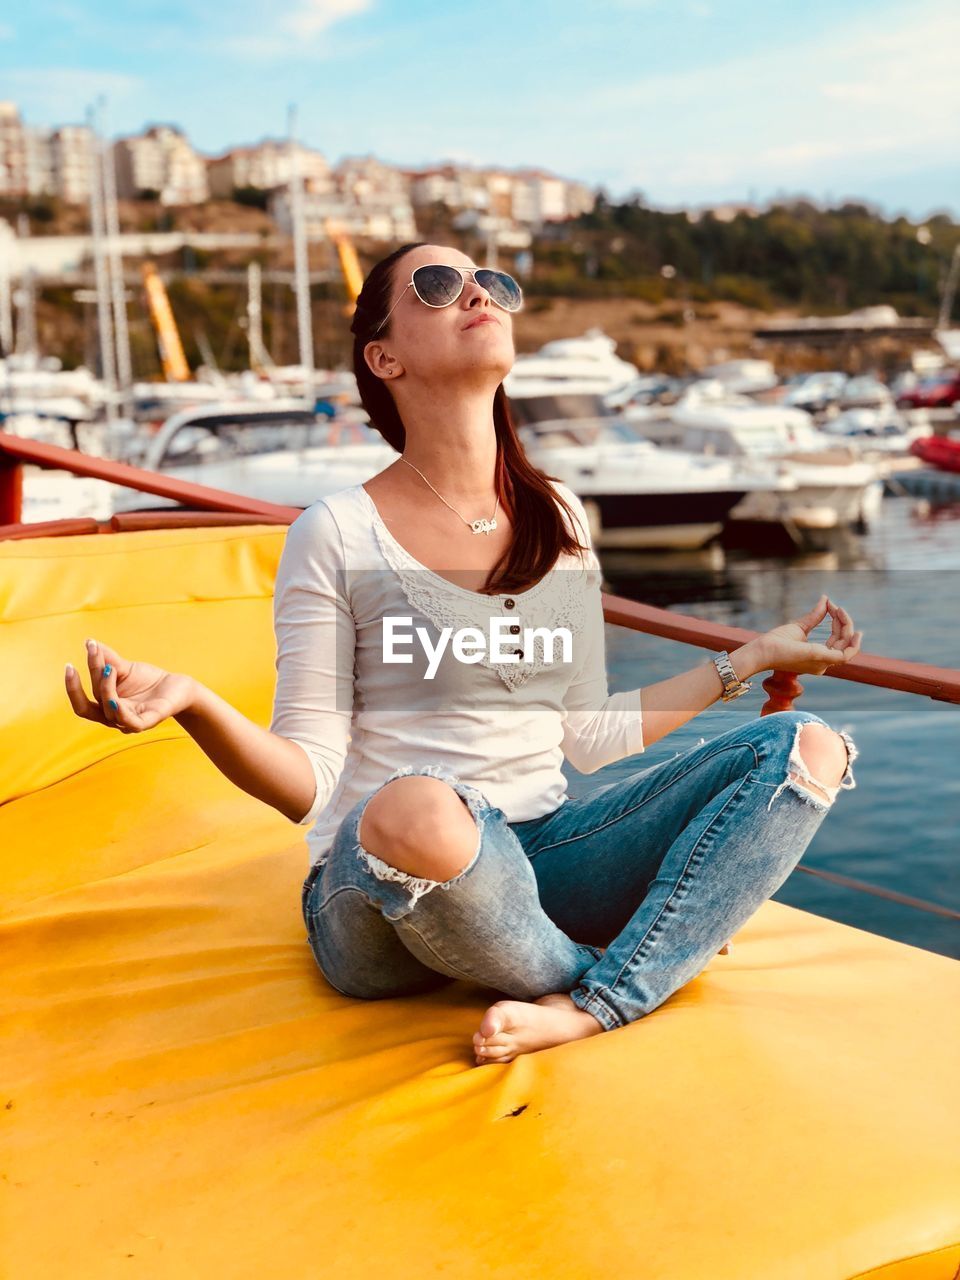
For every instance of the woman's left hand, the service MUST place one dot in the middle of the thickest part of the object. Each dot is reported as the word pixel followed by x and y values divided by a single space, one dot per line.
pixel 788 648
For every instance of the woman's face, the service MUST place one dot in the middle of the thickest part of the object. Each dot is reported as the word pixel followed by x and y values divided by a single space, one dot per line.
pixel 431 344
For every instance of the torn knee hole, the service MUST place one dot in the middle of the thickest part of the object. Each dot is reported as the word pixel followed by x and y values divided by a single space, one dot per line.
pixel 802 780
pixel 812 786
pixel 827 749
pixel 418 884
pixel 472 800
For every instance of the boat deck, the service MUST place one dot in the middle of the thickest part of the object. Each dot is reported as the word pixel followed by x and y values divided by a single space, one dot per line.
pixel 185 1095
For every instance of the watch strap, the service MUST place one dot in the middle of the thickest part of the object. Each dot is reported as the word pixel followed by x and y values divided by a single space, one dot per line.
pixel 733 686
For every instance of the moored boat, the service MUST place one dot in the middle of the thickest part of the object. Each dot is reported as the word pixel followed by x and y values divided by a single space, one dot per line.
pixel 941 452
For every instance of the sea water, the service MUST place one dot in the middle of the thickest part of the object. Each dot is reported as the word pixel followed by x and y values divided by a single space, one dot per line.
pixel 899 828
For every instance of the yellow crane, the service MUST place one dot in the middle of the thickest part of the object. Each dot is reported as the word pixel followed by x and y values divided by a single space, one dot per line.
pixel 349 264
pixel 175 367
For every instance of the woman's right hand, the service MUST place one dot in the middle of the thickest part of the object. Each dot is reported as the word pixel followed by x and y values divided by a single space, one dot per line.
pixel 789 648
pixel 130 696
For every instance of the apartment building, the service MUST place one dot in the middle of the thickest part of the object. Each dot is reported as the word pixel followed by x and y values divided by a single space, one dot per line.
pixel 527 196
pixel 13 161
pixel 43 162
pixel 265 166
pixel 378 217
pixel 160 160
pixel 364 195
pixel 71 162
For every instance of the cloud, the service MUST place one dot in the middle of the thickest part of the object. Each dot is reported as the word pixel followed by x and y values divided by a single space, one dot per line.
pixel 312 18
pixel 300 29
pixel 830 109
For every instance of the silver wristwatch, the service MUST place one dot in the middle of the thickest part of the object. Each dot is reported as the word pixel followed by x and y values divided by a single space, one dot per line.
pixel 733 686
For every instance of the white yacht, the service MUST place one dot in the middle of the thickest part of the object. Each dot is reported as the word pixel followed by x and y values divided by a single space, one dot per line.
pixel 636 494
pixel 278 451
pixel 881 436
pixel 28 382
pixel 834 489
pixel 590 360
pixel 744 376
pixel 153 401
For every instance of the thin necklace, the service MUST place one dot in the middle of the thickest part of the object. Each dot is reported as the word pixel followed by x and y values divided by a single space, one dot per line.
pixel 478 526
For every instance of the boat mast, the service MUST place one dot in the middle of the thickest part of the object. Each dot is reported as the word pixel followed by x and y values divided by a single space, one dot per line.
pixel 115 267
pixel 100 271
pixel 259 356
pixel 26 341
pixel 300 262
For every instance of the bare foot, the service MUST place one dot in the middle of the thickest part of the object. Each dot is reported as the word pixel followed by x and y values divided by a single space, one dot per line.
pixel 511 1027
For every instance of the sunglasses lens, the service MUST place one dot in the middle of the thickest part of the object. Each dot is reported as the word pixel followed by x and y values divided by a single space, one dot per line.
pixel 438 286
pixel 503 289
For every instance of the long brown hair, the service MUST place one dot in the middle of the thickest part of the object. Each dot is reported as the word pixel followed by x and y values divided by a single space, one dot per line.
pixel 539 531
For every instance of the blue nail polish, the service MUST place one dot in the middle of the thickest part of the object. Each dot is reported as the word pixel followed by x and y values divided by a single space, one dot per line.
pixel 114 705
pixel 107 669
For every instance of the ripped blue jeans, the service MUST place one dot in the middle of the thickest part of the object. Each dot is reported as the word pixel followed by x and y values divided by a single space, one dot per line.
pixel 660 868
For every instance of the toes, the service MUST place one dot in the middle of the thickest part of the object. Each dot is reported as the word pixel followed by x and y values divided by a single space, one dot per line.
pixel 494 1050
pixel 500 1056
pixel 491 1042
pixel 494 1053
pixel 492 1022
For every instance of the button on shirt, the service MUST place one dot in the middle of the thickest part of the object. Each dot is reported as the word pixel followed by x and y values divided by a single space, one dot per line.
pixel 348 597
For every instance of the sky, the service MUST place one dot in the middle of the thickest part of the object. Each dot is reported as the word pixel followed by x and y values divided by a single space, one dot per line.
pixel 679 102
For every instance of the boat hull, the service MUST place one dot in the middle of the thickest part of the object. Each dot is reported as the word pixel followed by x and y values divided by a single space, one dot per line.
pixel 678 520
pixel 939 452
pixel 814 507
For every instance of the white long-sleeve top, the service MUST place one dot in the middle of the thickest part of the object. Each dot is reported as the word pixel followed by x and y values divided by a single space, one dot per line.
pixel 345 585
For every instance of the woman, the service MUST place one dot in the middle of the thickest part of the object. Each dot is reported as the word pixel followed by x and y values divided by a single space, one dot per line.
pixel 443 843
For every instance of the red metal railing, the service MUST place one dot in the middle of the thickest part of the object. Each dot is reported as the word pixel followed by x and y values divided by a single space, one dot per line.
pixel 15 451
pixel 219 507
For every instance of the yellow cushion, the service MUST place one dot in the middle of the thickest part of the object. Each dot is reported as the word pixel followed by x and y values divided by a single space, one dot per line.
pixel 184 1095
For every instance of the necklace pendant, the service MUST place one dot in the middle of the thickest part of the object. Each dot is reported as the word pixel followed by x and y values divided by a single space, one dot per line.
pixel 483 526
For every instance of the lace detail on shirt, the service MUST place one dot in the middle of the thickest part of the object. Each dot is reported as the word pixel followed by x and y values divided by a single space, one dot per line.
pixel 556 601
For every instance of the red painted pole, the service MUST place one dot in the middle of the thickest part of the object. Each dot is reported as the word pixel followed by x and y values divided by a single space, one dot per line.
pixel 782 687
pixel 11 490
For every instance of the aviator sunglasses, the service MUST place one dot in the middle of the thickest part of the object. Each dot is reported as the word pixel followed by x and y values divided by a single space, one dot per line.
pixel 438 285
